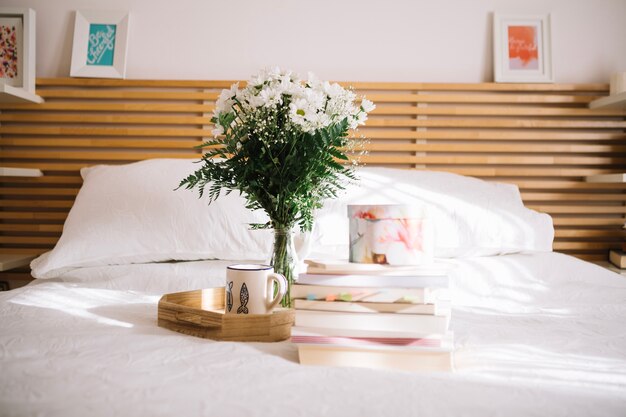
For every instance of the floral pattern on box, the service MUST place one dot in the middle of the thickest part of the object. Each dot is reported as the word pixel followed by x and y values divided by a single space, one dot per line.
pixel 390 234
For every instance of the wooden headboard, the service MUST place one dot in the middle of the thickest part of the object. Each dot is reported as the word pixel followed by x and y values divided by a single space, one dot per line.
pixel 541 137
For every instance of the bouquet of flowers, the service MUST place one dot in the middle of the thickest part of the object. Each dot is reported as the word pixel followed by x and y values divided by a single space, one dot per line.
pixel 283 144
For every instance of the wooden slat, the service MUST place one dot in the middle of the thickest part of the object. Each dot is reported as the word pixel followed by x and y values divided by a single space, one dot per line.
pixel 28 240
pixel 482 98
pixel 48 179
pixel 579 209
pixel 10 191
pixel 499 123
pixel 220 84
pixel 29 251
pixel 572 197
pixel 587 221
pixel 20 215
pixel 597 88
pixel 87 106
pixel 104 119
pixel 494 160
pixel 516 148
pixel 36 203
pixel 565 185
pixel 48 228
pixel 90 142
pixel 582 233
pixel 127 95
pixel 605 246
pixel 103 131
pixel 474 135
pixel 494 111
pixel 98 156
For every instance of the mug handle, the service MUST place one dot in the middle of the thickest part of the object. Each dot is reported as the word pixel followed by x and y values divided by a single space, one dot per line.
pixel 282 289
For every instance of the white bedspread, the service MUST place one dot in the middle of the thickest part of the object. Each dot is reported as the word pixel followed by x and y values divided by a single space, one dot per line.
pixel 541 334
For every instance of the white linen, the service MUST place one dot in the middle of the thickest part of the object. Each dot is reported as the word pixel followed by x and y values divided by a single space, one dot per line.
pixel 131 214
pixel 471 217
pixel 536 334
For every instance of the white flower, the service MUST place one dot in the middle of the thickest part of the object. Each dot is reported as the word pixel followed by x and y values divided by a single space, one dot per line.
pixel 367 105
pixel 271 97
pixel 224 103
pixel 219 130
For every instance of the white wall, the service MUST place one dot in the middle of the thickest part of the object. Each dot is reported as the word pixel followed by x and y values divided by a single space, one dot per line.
pixel 386 40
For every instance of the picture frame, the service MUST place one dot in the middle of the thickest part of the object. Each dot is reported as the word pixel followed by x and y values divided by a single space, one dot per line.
pixel 100 44
pixel 17 48
pixel 522 47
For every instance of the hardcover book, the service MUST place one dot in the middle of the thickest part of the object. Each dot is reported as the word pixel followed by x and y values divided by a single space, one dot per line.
pixel 356 280
pixel 331 332
pixel 344 267
pixel 420 323
pixel 365 307
pixel 369 294
pixel 387 358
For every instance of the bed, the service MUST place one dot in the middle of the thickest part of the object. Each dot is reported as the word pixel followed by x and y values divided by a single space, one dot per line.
pixel 536 332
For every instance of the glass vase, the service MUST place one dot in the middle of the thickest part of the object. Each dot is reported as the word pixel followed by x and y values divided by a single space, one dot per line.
pixel 285 259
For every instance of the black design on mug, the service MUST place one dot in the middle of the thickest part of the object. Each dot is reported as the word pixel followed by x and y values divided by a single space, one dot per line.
pixel 229 295
pixel 243 299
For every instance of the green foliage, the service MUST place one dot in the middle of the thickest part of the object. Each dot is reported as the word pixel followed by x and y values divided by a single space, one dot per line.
pixel 277 167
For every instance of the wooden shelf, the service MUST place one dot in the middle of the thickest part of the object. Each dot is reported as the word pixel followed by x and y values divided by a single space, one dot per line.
pixel 10 94
pixel 20 172
pixel 11 261
pixel 616 101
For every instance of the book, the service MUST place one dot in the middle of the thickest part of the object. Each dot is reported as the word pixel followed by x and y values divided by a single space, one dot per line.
pixel 365 307
pixel 318 266
pixel 304 336
pixel 389 281
pixel 330 332
pixel 421 323
pixel 425 359
pixel 618 258
pixel 371 294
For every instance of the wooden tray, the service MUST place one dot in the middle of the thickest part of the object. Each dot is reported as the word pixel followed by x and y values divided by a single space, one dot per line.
pixel 201 313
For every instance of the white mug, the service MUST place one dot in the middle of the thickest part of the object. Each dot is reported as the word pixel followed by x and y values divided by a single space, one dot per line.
pixel 250 289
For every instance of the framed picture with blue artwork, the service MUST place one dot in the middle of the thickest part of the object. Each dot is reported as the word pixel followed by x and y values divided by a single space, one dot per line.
pixel 100 44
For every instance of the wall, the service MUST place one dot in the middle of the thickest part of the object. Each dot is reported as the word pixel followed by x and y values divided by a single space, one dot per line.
pixel 403 40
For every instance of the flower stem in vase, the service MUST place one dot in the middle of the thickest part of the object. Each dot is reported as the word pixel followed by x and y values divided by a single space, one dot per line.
pixel 285 259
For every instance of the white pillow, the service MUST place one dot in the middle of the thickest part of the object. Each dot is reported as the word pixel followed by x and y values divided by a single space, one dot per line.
pixel 131 214
pixel 472 217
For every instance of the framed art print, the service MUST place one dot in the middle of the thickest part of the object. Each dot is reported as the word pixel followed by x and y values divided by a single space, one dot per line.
pixel 100 44
pixel 17 48
pixel 522 48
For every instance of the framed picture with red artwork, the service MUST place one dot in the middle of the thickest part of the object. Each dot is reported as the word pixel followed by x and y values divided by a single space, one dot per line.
pixel 17 48
pixel 522 48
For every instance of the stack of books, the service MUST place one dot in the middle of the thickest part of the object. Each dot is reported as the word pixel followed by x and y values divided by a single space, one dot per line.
pixel 375 316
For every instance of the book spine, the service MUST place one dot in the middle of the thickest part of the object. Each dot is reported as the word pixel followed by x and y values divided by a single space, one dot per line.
pixel 364 321
pixel 371 358
pixel 364 307
pixel 376 281
pixel 388 295
pixel 325 331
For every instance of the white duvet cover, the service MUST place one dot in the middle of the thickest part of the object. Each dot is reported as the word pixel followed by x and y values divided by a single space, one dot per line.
pixel 536 334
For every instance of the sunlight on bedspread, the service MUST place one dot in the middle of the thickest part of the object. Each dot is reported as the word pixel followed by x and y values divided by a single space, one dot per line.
pixel 78 301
